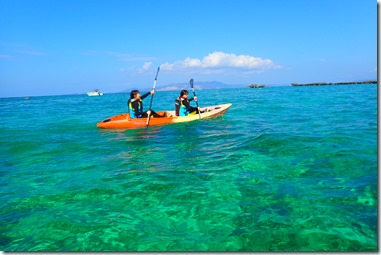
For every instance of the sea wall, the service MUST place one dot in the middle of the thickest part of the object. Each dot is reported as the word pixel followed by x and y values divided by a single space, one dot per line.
pixel 332 83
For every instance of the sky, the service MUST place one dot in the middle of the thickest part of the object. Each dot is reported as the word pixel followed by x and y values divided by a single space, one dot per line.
pixel 55 47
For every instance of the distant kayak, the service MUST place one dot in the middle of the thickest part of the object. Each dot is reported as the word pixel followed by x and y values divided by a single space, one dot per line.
pixel 123 121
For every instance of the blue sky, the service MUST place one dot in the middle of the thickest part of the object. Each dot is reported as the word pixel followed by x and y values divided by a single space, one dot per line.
pixel 52 47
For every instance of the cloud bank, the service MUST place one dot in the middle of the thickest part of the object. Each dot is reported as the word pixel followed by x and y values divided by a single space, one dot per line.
pixel 146 67
pixel 220 60
pixel 125 57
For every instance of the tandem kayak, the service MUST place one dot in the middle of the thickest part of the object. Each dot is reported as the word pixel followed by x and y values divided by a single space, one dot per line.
pixel 123 121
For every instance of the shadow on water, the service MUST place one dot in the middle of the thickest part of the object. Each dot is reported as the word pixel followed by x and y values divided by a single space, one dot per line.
pixel 132 134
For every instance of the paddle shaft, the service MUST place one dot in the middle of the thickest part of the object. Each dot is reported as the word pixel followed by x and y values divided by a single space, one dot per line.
pixel 194 94
pixel 150 104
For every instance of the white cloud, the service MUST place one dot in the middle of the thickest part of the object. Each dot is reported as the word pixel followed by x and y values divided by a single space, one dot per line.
pixel 125 57
pixel 34 53
pixel 4 56
pixel 146 66
pixel 221 60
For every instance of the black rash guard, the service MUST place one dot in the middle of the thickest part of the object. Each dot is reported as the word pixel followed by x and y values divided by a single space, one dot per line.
pixel 184 102
pixel 187 105
pixel 135 106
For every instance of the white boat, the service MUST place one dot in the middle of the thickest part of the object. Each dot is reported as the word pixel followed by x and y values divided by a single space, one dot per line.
pixel 95 92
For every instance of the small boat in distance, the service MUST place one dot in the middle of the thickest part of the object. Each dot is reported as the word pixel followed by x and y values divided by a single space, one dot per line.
pixel 95 92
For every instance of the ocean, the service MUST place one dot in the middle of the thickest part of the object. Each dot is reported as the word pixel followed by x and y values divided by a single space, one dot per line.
pixel 285 169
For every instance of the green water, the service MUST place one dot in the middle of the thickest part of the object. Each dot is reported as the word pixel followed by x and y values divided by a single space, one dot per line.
pixel 285 169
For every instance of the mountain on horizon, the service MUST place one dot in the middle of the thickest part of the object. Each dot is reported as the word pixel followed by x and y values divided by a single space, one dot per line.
pixel 198 85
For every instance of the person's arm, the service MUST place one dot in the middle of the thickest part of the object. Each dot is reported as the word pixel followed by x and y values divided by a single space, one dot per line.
pixel 177 107
pixel 145 95
pixel 187 105
pixel 193 98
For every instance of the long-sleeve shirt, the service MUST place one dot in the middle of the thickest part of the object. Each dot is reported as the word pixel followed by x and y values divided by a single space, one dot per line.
pixel 181 103
pixel 135 106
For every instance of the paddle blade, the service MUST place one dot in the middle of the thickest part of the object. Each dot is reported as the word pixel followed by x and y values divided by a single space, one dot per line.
pixel 157 73
pixel 191 83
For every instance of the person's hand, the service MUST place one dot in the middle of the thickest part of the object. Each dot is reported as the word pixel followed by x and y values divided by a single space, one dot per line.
pixel 152 92
pixel 195 98
pixel 149 112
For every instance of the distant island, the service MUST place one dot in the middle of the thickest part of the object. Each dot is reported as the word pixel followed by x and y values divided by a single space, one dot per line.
pixel 257 86
pixel 334 83
pixel 198 85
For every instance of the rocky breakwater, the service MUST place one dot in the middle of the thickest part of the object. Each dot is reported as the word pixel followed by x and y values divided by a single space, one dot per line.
pixel 257 86
pixel 333 83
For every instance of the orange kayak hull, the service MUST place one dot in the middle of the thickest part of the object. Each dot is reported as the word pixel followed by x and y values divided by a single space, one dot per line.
pixel 123 121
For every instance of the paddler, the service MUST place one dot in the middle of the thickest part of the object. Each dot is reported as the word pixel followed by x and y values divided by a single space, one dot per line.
pixel 135 105
pixel 182 106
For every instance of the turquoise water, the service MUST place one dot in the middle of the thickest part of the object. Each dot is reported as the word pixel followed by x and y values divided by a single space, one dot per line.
pixel 285 169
